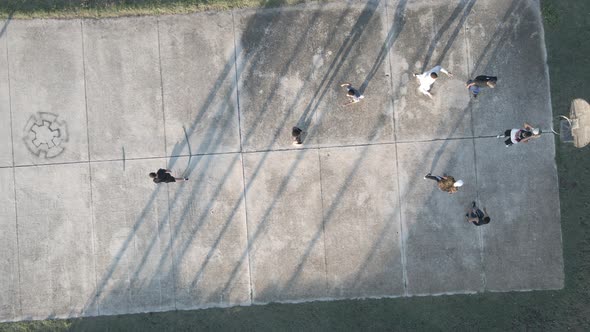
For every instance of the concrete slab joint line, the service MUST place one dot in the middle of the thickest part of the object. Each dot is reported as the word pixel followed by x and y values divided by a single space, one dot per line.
pixel 347 214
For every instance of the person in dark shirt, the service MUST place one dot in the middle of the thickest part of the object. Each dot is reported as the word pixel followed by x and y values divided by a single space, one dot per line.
pixel 477 216
pixel 163 175
pixel 353 94
pixel 296 134
pixel 482 81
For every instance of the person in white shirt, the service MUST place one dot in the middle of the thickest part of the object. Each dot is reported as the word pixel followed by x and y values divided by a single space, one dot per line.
pixel 520 135
pixel 427 79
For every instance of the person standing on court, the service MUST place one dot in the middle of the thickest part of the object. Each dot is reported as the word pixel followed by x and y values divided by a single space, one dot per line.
pixel 445 183
pixel 163 175
pixel 482 81
pixel 296 134
pixel 477 216
pixel 428 78
pixel 520 135
pixel 353 94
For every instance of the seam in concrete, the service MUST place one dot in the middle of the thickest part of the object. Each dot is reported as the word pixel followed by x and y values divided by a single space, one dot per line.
pixel 20 301
pixel 161 84
pixel 401 242
pixel 401 227
pixel 255 151
pixel 323 224
pixel 480 230
pixel 171 250
pixel 233 23
pixel 172 253
pixel 167 189
pixel 92 221
pixel 251 292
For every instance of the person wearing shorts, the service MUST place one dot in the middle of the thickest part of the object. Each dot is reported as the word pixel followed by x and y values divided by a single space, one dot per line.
pixel 522 135
pixel 353 94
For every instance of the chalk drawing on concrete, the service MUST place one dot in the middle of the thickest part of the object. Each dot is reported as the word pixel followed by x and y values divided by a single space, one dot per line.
pixel 45 135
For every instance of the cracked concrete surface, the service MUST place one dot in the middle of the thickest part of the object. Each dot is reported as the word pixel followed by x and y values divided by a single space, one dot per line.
pixel 214 96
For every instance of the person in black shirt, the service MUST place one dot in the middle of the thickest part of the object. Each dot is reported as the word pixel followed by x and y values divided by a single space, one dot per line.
pixel 353 94
pixel 477 216
pixel 482 81
pixel 163 175
pixel 296 133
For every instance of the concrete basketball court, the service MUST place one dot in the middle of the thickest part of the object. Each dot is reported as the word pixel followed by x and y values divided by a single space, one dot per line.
pixel 90 107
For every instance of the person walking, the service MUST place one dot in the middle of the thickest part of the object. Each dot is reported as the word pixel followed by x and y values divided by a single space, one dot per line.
pixel 163 175
pixel 296 133
pixel 353 94
pixel 477 216
pixel 482 81
pixel 520 135
pixel 428 78
pixel 446 183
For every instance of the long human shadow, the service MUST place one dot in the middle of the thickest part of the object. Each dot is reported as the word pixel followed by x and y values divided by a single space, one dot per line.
pixel 184 247
pixel 463 7
pixel 499 37
pixel 399 20
pixel 328 80
pixel 328 217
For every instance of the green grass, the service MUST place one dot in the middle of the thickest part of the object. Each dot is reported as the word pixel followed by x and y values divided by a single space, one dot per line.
pixel 567 309
pixel 550 15
pixel 27 9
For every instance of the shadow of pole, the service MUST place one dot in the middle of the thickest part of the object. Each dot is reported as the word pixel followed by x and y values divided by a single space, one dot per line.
pixel 357 29
pixel 499 37
pixel 498 40
pixel 328 80
pixel 458 9
pixel 399 20
pixel 393 33
pixel 455 33
pixel 227 70
pixel 201 221
pixel 6 23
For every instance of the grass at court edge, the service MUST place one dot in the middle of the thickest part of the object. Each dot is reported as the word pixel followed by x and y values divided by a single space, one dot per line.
pixel 28 9
pixel 567 30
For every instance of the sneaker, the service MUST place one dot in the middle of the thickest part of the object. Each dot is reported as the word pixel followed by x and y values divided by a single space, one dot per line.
pixel 425 176
pixel 185 179
pixel 473 204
